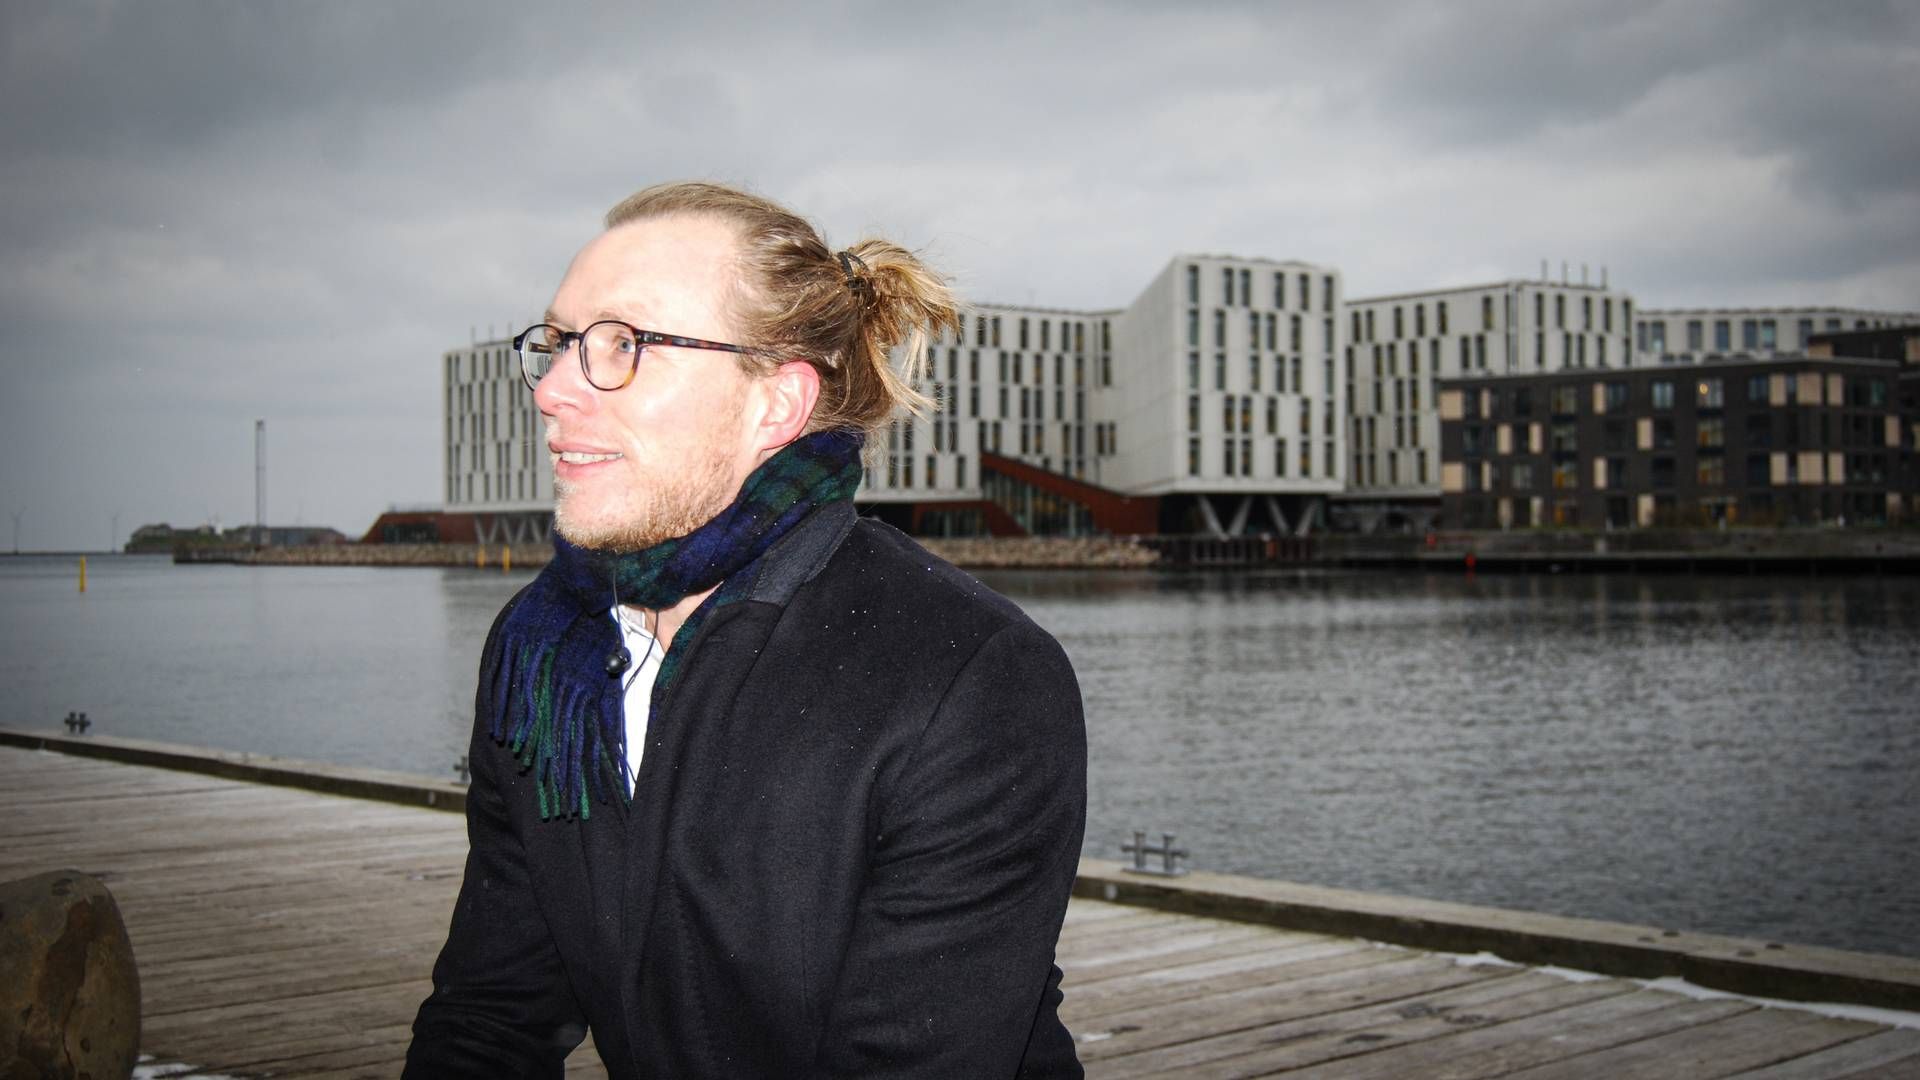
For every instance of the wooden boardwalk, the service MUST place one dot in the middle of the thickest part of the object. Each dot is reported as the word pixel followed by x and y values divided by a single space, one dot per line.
pixel 286 933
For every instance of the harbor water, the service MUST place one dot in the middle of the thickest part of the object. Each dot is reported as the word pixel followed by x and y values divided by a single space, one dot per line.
pixel 1735 755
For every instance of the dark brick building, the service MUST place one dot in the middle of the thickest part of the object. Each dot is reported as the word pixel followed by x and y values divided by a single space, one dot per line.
pixel 1790 440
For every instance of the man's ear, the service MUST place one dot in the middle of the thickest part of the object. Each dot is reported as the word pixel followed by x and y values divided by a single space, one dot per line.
pixel 791 392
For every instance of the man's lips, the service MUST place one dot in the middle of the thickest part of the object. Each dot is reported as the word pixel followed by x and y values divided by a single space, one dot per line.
pixel 570 457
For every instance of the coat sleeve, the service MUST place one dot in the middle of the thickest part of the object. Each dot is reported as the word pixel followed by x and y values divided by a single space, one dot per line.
pixel 501 1002
pixel 949 971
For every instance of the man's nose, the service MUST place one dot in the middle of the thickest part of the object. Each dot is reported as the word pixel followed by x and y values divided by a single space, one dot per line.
pixel 565 385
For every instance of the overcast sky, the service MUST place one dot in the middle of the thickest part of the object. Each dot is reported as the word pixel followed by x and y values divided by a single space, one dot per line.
pixel 212 213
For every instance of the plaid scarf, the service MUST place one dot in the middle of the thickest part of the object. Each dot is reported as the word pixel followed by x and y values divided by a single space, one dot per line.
pixel 545 688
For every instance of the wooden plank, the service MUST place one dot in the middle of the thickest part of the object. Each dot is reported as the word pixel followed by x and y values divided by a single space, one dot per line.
pixel 1164 986
pixel 1551 1037
pixel 1891 1053
pixel 1199 962
pixel 1277 1047
pixel 1722 1048
pixel 1161 1025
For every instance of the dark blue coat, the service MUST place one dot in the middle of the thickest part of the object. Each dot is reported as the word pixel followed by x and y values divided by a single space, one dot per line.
pixel 849 851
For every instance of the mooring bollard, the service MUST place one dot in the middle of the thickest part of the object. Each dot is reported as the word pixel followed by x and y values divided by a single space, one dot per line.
pixel 83 573
pixel 77 723
pixel 1168 854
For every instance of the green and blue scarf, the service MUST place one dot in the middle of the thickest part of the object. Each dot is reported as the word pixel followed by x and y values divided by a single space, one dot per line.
pixel 545 689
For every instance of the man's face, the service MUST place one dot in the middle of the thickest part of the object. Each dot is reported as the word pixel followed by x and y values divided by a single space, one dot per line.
pixel 661 456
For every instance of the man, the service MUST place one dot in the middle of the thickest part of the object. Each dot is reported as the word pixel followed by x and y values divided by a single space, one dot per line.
pixel 760 788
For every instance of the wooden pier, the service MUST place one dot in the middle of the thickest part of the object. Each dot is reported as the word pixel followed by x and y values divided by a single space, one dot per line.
pixel 288 932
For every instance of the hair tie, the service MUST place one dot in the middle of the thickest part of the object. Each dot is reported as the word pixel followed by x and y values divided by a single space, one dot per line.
pixel 854 281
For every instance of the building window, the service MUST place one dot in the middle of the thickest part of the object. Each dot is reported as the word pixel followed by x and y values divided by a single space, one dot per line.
pixel 1253 372
pixel 1662 393
pixel 1696 339
pixel 1227 452
pixel 1219 371
pixel 1565 400
pixel 1440 315
pixel 1193 457
pixel 1280 457
pixel 1293 334
pixel 1246 288
pixel 1193 371
pixel 1560 311
pixel 1219 328
pixel 1486 313
pixel 1226 284
pixel 1722 335
pixel 1273 415
pixel 1246 457
pixel 1769 334
pixel 1193 412
pixel 1712 432
pixel 1749 333
pixel 1521 475
pixel 1663 433
pixel 1710 394
pixel 1193 284
pixel 1280 292
pixel 1193 326
pixel 1616 396
pixel 1711 470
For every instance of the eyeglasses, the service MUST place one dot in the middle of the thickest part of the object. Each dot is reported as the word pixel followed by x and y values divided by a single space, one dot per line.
pixel 609 350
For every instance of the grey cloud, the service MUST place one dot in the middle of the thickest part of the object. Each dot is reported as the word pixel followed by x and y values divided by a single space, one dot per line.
pixel 237 210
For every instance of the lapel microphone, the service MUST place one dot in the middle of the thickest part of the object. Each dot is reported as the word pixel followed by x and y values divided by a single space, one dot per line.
pixel 619 659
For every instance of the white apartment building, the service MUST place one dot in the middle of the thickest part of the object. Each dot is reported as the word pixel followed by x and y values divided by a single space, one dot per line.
pixel 1014 381
pixel 1217 386
pixel 1399 346
pixel 495 455
pixel 1689 335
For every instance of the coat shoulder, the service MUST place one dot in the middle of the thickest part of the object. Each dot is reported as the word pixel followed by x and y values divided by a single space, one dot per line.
pixel 884 565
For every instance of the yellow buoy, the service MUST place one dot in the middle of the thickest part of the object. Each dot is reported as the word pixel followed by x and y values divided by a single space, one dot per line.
pixel 506 559
pixel 83 573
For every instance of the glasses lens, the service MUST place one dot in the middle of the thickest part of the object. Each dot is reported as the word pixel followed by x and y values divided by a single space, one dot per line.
pixel 611 354
pixel 537 347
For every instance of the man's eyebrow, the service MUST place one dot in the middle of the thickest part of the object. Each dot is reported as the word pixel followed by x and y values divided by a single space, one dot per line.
pixel 603 315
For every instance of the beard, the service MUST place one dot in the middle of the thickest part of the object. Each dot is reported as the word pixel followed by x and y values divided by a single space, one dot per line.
pixel 668 505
